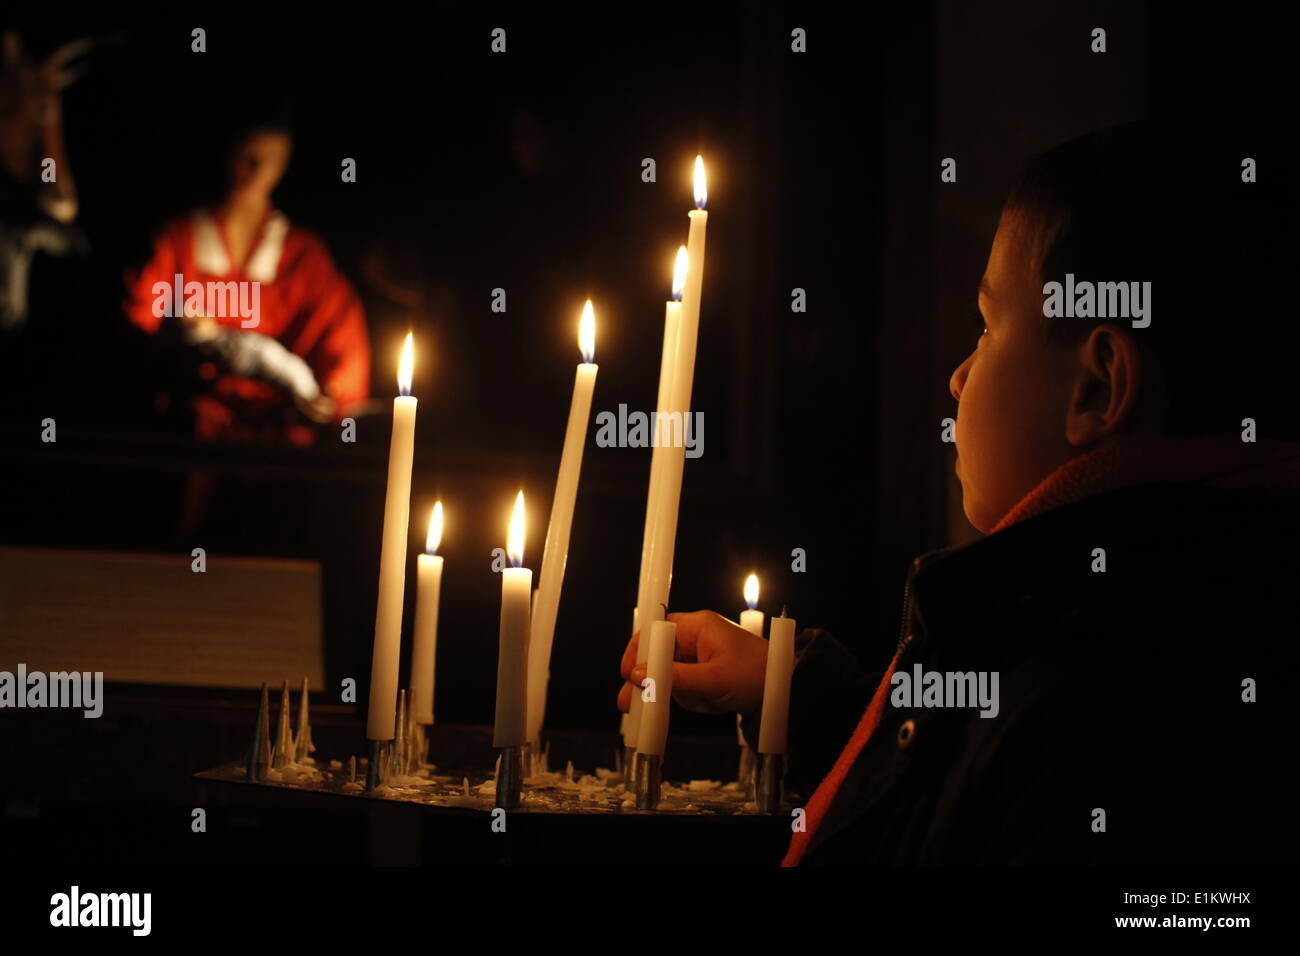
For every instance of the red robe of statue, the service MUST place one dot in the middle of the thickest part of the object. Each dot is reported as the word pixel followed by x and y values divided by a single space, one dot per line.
pixel 304 303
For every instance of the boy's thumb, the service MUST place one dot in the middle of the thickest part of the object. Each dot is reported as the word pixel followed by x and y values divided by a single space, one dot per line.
pixel 681 675
pixel 692 679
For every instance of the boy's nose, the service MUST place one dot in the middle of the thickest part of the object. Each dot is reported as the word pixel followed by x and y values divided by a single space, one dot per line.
pixel 958 379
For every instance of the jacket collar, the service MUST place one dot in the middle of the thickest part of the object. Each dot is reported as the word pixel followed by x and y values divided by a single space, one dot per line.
pixel 1150 534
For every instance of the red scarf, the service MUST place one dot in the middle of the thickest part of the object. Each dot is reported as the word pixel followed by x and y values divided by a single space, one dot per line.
pixel 1223 461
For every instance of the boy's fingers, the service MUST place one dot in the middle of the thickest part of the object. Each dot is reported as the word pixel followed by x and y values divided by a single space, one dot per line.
pixel 705 682
pixel 696 686
pixel 629 656
pixel 690 625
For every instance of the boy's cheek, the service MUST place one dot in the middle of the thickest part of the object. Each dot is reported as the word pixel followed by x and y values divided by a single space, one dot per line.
pixel 988 433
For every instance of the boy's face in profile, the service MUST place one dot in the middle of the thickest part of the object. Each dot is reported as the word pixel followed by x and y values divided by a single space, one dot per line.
pixel 1013 390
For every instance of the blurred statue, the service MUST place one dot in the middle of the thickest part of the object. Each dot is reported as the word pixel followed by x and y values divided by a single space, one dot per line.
pixel 38 198
pixel 279 332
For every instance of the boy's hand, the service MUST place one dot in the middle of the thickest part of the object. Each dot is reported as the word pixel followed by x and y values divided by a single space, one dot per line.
pixel 718 666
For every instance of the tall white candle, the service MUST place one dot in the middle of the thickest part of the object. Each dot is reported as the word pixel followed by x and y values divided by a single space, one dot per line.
pixel 658 460
pixel 669 496
pixel 653 732
pixel 392 558
pixel 424 655
pixel 555 555
pixel 672 321
pixel 752 621
pixel 684 372
pixel 773 735
pixel 510 726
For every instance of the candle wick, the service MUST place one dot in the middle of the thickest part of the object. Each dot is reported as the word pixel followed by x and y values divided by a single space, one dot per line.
pixel 783 607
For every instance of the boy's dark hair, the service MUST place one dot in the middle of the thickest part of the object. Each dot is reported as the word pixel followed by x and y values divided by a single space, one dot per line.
pixel 1142 202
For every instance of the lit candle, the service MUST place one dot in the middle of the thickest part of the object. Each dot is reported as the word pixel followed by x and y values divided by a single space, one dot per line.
pixel 512 649
pixel 653 732
pixel 658 460
pixel 392 557
pixel 668 495
pixel 752 621
pixel 556 553
pixel 775 724
pixel 424 656
pixel 684 370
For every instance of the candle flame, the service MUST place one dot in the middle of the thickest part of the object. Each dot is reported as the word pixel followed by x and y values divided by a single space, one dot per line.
pixel 406 367
pixel 587 333
pixel 701 184
pixel 679 273
pixel 435 529
pixel 751 590
pixel 515 541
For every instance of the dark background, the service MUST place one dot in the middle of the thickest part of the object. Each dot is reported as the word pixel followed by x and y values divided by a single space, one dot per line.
pixel 523 171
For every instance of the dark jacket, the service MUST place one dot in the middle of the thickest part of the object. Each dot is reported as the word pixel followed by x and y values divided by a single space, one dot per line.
pixel 1119 690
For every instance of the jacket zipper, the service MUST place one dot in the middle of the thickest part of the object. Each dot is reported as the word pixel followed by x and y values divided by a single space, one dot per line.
pixel 905 626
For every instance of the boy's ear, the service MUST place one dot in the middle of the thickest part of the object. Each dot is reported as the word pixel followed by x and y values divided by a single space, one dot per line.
pixel 1104 399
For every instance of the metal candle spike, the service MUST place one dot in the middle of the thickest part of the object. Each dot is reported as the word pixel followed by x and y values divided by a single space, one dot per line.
pixel 399 741
pixel 528 759
pixel 283 738
pixel 302 745
pixel 408 735
pixel 413 749
pixel 373 764
pixel 421 746
pixel 647 770
pixel 259 751
pixel 510 777
pixel 745 775
pixel 769 781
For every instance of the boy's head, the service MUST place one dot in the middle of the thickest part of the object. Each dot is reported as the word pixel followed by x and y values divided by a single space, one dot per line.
pixel 1184 338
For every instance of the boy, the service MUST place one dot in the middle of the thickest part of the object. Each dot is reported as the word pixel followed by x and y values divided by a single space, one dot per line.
pixel 1129 608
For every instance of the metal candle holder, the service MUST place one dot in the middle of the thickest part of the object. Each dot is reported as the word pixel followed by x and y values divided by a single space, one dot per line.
pixel 769 781
pixel 284 750
pixel 648 769
pixel 374 763
pixel 528 757
pixel 510 777
pixel 745 774
pixel 259 751
pixel 397 762
pixel 422 744
pixel 302 739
